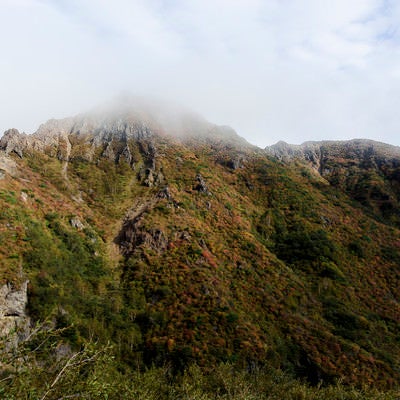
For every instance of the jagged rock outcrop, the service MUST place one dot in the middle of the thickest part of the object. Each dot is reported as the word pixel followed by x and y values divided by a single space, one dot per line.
pixel 55 136
pixel 7 166
pixel 14 142
pixel 134 232
pixel 201 185
pixel 13 317
pixel 164 193
pixel 321 154
pixel 50 138
pixel 114 130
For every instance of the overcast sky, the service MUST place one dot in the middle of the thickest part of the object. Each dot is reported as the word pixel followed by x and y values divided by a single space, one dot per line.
pixel 291 70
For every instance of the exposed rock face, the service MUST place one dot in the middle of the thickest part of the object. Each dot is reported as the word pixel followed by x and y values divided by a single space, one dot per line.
pixel 55 136
pixel 134 233
pixel 52 138
pixel 233 160
pixel 113 130
pixel 312 152
pixel 76 223
pixel 14 142
pixel 7 166
pixel 164 193
pixel 201 185
pixel 235 163
pixel 319 154
pixel 12 309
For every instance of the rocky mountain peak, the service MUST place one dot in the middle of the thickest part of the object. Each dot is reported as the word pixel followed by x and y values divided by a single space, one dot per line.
pixel 121 121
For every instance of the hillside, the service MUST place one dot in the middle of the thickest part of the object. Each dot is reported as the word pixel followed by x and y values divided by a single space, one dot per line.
pixel 367 171
pixel 178 242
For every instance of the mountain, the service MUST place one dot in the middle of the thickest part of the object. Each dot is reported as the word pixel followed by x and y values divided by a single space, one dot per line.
pixel 178 242
pixel 366 170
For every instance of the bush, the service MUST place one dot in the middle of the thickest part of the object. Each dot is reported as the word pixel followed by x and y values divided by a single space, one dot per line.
pixel 300 244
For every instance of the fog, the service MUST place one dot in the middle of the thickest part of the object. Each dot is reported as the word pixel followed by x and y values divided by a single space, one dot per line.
pixel 273 70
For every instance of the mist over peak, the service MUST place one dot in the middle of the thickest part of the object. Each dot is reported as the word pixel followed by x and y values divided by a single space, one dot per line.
pixel 124 118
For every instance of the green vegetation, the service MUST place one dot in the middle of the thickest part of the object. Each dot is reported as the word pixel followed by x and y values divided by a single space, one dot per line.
pixel 39 369
pixel 273 284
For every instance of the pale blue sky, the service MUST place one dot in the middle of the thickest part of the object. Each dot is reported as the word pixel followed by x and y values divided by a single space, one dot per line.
pixel 292 70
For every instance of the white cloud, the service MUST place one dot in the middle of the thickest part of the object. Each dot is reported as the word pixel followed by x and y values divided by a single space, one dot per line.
pixel 273 69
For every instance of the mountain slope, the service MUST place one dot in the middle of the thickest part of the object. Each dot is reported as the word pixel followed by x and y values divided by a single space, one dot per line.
pixel 198 247
pixel 367 171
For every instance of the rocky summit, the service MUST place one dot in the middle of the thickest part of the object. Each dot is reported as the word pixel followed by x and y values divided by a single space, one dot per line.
pixel 177 243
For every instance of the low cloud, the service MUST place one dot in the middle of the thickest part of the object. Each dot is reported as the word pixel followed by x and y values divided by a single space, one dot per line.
pixel 273 70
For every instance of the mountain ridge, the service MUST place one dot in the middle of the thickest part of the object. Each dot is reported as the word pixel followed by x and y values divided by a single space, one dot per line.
pixel 206 251
pixel 285 150
pixel 134 120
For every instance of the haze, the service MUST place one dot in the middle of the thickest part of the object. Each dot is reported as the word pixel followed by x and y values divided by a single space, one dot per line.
pixel 274 70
